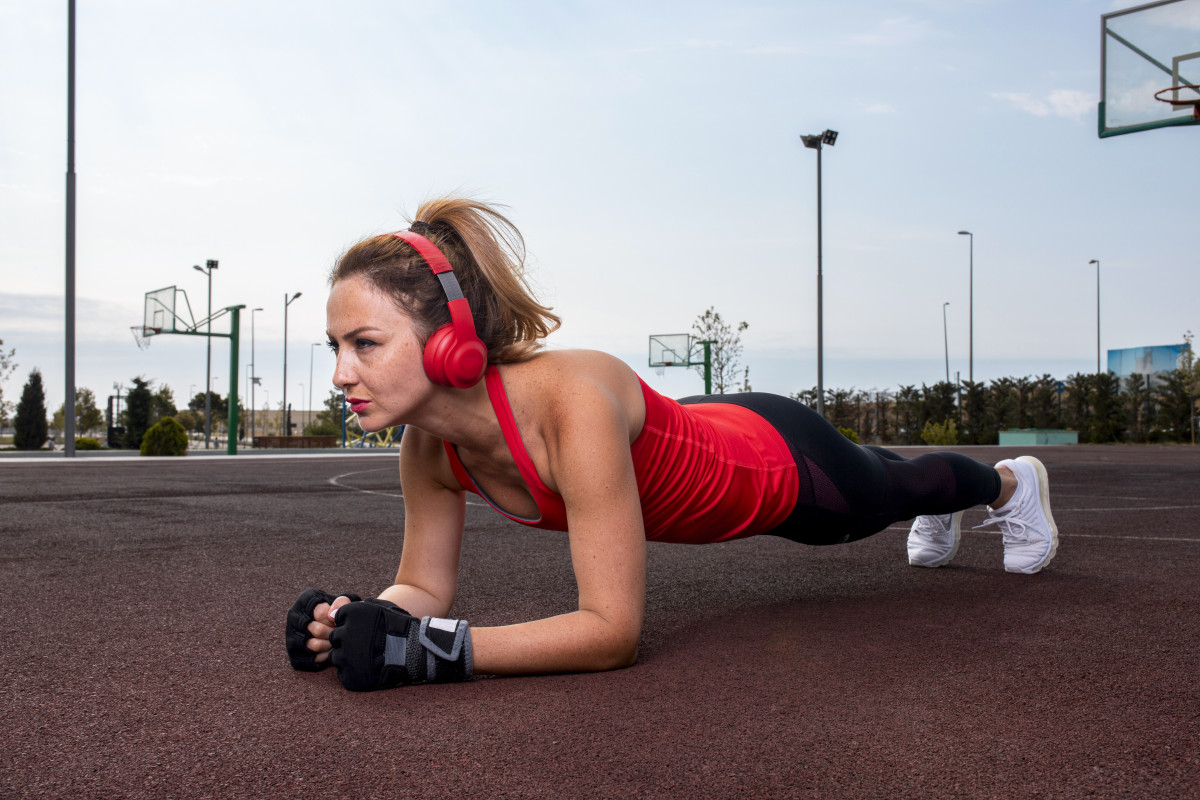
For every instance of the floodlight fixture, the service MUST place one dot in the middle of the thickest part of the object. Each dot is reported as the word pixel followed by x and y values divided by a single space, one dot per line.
pixel 829 137
pixel 812 142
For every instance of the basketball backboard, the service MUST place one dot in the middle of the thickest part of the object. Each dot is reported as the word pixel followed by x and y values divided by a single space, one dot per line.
pixel 1145 51
pixel 670 350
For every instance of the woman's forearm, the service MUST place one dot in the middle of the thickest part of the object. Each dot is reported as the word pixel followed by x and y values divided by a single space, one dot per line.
pixel 581 641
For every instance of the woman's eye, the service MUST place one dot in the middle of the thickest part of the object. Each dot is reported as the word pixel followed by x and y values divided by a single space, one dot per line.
pixel 332 345
pixel 363 343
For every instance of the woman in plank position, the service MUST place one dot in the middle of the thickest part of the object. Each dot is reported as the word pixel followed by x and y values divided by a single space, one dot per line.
pixel 435 328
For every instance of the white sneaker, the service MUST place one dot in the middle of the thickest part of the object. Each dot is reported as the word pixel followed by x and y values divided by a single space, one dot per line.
pixel 1030 535
pixel 934 539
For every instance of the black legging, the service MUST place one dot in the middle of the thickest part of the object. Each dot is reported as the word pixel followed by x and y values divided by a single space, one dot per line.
pixel 849 491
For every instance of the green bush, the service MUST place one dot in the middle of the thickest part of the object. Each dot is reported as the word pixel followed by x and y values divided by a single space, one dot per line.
pixel 166 438
pixel 940 434
pixel 86 443
pixel 849 434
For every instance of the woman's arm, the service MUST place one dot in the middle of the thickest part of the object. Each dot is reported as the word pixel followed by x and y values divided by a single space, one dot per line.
pixel 427 578
pixel 592 468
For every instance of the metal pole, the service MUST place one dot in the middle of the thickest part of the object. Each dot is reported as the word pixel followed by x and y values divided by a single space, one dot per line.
pixel 208 371
pixel 946 338
pixel 231 435
pixel 253 374
pixel 820 301
pixel 971 311
pixel 287 429
pixel 1097 317
pixel 69 354
pixel 308 416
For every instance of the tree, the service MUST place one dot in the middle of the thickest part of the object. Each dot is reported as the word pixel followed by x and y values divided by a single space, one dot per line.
pixel 7 366
pixel 220 406
pixel 139 403
pixel 87 416
pixel 726 348
pixel 328 421
pixel 976 425
pixel 1138 408
pixel 1108 414
pixel 30 422
pixel 905 410
pixel 162 404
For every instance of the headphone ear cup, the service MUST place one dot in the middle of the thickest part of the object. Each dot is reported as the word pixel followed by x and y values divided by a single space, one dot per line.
pixel 454 363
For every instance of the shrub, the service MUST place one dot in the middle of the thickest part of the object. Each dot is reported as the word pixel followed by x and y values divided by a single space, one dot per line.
pixel 166 438
pixel 849 434
pixel 86 443
pixel 940 434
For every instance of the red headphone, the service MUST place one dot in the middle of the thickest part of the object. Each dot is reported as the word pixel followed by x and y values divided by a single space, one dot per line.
pixel 455 355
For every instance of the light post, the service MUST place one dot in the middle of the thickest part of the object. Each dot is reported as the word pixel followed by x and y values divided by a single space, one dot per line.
pixel 253 378
pixel 816 142
pixel 287 429
pixel 310 382
pixel 946 339
pixel 1097 263
pixel 302 397
pixel 207 269
pixel 971 312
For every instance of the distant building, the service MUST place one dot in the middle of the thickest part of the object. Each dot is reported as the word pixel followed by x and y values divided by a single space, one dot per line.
pixel 1148 361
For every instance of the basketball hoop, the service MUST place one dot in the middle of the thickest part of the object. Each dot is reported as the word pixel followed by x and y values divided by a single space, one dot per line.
pixel 1178 104
pixel 661 370
pixel 142 334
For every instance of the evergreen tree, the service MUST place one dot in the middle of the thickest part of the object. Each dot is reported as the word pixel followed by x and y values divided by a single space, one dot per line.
pixel 975 416
pixel 30 425
pixel 139 404
pixel 1108 413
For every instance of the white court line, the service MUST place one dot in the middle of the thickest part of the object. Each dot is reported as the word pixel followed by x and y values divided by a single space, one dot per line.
pixel 335 481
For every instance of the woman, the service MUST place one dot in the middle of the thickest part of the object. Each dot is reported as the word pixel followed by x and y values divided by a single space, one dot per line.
pixel 435 328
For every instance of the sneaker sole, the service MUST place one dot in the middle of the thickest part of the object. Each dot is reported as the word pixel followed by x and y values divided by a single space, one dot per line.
pixel 956 529
pixel 1044 498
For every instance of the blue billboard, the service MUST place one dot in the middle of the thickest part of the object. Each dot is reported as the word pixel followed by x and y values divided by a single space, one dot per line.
pixel 1148 361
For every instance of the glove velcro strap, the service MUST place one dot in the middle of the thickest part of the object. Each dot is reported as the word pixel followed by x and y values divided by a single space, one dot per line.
pixel 447 645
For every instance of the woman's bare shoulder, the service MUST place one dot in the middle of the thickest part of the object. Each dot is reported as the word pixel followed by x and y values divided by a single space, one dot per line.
pixel 564 384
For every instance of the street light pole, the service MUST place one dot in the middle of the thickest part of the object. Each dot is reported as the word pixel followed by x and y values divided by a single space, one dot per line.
pixel 971 313
pixel 946 338
pixel 310 382
pixel 1097 263
pixel 208 270
pixel 287 429
pixel 253 376
pixel 816 142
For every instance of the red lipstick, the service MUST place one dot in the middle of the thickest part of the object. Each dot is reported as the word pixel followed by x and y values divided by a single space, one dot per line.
pixel 357 405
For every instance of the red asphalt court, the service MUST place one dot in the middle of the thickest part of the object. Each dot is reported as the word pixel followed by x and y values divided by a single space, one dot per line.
pixel 146 600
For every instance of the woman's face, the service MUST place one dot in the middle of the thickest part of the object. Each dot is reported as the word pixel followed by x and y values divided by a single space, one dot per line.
pixel 378 354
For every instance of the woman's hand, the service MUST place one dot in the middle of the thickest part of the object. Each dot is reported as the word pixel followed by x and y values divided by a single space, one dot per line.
pixel 309 622
pixel 323 625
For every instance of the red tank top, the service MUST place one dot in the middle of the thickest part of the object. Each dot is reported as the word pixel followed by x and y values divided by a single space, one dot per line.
pixel 706 473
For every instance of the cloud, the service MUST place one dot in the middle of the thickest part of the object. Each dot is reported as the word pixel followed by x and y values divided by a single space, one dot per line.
pixel 1067 103
pixel 892 32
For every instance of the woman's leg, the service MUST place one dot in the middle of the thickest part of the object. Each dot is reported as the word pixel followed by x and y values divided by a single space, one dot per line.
pixel 847 491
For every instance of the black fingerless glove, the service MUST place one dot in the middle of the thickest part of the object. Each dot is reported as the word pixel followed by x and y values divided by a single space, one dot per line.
pixel 295 632
pixel 378 645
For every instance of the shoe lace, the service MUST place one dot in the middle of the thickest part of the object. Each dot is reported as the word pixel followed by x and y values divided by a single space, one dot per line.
pixel 1012 527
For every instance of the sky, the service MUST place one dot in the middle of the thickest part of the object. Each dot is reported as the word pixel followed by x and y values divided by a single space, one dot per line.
pixel 649 152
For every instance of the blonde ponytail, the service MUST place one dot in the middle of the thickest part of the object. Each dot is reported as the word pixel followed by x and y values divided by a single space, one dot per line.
pixel 488 256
